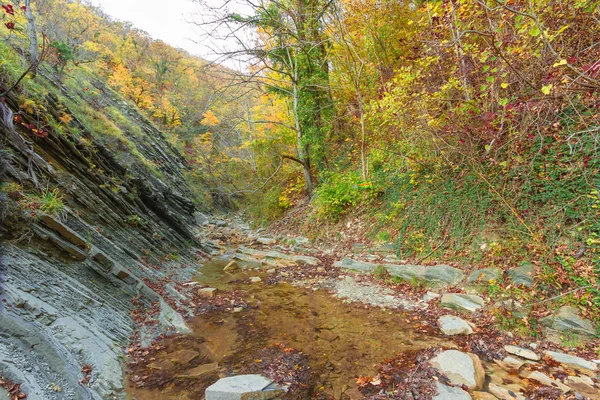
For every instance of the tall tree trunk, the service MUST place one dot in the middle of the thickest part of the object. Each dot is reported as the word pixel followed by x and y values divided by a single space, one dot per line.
pixel 32 35
pixel 302 153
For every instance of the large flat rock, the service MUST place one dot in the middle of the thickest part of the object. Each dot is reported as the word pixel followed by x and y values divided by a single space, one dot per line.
pixel 567 319
pixel 450 393
pixel 461 368
pixel 243 387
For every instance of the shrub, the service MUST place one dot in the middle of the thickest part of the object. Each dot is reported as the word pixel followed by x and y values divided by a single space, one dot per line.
pixel 336 195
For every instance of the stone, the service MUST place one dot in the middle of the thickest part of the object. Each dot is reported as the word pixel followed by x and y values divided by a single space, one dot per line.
pixel 266 241
pixel 443 275
pixel 504 393
pixel 510 363
pixel 450 393
pixel 568 319
pixel 584 384
pixel 461 368
pixel 231 266
pixel 544 380
pixel 462 302
pixel 161 365
pixel 429 296
pixel 521 352
pixel 207 292
pixel 271 271
pixel 200 371
pixel 348 263
pixel 246 387
pixel 483 396
pixel 522 275
pixel 255 279
pixel 451 325
pixel 483 276
pixel 407 272
pixel 572 361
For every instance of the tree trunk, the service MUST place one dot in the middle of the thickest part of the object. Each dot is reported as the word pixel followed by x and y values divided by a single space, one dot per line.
pixel 32 35
pixel 302 153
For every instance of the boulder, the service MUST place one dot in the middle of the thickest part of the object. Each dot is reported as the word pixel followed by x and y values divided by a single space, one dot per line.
pixel 522 275
pixel 483 276
pixel 443 275
pixel 461 368
pixel 407 272
pixel 450 393
pixel 246 387
pixel 4 394
pixel 451 325
pixel 572 361
pixel 567 319
pixel 521 352
pixel 462 302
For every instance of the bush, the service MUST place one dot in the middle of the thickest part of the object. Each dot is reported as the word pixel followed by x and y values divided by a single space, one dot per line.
pixel 336 195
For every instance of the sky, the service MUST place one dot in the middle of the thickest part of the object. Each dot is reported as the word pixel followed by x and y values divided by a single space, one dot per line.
pixel 167 20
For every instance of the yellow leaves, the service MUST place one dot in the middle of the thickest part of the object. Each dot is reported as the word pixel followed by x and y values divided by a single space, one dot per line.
pixel 65 118
pixel 547 89
pixel 561 62
pixel 504 85
pixel 210 119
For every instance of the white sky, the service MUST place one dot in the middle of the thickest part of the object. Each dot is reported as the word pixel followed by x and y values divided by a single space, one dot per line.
pixel 167 20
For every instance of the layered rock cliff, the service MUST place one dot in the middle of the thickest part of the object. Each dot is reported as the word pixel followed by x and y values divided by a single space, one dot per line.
pixel 69 277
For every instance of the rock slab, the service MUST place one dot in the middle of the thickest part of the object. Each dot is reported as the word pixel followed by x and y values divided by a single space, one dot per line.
pixel 568 319
pixel 461 368
pixel 522 275
pixel 451 325
pixel 462 302
pixel 246 387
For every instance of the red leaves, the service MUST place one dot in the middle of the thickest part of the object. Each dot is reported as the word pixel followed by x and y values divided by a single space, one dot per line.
pixel 14 389
pixel 10 25
pixel 593 69
pixel 87 374
pixel 9 9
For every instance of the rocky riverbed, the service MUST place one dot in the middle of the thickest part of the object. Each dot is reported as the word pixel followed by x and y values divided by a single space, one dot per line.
pixel 322 325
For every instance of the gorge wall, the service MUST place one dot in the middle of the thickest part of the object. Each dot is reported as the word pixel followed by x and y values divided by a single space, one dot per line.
pixel 69 281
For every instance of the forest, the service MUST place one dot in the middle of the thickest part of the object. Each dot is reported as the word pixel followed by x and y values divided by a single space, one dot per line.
pixel 463 132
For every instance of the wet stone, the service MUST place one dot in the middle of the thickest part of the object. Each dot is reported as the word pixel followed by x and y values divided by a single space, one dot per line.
pixel 502 392
pixel 572 361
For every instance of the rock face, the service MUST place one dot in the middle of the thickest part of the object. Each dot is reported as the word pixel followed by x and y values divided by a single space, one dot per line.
pixel 461 368
pixel 243 387
pixel 567 319
pixel 462 302
pixel 451 325
pixel 67 290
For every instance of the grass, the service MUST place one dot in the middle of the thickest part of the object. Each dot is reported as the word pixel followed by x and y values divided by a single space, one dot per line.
pixel 49 202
